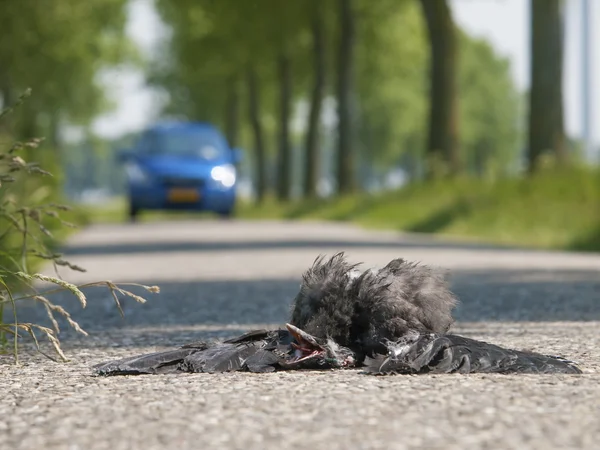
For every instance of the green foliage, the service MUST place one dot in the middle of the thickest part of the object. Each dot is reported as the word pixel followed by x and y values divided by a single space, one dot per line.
pixel 490 119
pixel 392 82
pixel 393 61
pixel 213 42
pixel 534 212
pixel 58 49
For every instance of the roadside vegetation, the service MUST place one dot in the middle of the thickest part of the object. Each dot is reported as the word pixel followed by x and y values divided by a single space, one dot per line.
pixel 32 223
pixel 555 209
pixel 38 51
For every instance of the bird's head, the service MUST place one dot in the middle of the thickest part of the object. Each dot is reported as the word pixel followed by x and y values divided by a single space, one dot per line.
pixel 310 352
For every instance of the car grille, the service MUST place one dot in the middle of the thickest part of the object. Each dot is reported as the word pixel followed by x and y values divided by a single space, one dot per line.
pixel 182 182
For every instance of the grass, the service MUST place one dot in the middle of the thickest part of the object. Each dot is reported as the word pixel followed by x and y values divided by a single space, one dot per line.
pixel 556 209
pixel 32 223
pixel 31 234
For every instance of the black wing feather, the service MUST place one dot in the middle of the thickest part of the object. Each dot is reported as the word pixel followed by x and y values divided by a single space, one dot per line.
pixel 149 363
pixel 255 351
pixel 433 353
pixel 400 298
pixel 221 358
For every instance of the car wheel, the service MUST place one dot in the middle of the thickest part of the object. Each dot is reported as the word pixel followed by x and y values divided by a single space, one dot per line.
pixel 226 215
pixel 134 213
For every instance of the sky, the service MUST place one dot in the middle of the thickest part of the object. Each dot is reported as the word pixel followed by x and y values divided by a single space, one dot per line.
pixel 504 23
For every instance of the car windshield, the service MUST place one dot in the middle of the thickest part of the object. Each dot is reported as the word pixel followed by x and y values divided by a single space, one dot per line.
pixel 204 145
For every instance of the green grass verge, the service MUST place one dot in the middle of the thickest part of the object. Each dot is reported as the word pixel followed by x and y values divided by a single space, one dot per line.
pixel 555 209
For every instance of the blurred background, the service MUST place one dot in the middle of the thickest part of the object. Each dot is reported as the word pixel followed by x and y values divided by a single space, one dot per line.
pixel 473 118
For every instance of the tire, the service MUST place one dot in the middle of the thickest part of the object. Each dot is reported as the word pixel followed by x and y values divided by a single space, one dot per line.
pixel 226 215
pixel 134 213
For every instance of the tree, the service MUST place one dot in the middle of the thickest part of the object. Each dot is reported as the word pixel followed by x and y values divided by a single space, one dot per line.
pixel 279 52
pixel 257 130
pixel 442 141
pixel 546 123
pixel 312 162
pixel 38 51
pixel 254 39
pixel 346 158
pixel 490 114
pixel 58 49
pixel 283 26
pixel 284 175
pixel 391 60
pixel 232 113
pixel 392 57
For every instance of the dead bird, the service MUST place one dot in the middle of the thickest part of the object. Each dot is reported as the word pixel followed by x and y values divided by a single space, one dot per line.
pixel 397 319
pixel 257 351
pixel 392 320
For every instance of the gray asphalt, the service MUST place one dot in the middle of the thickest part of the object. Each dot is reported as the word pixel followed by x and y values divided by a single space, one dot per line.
pixel 219 278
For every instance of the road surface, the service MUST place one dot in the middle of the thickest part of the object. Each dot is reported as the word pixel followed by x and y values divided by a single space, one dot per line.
pixel 220 278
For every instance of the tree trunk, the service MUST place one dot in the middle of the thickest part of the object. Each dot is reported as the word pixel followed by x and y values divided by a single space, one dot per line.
pixel 442 140
pixel 54 131
pixel 259 151
pixel 27 126
pixel 284 175
pixel 55 165
pixel 232 112
pixel 7 101
pixel 312 161
pixel 546 123
pixel 346 159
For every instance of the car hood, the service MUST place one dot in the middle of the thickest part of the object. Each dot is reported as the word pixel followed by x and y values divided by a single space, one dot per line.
pixel 178 166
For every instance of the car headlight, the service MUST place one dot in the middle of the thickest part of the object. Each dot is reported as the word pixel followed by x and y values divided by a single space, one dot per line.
pixel 224 174
pixel 135 173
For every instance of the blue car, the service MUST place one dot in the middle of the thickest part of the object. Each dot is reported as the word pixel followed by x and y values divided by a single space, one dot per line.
pixel 181 166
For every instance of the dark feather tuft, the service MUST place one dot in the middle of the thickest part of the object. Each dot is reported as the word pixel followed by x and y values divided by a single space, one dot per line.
pixel 322 307
pixel 400 298
pixel 435 353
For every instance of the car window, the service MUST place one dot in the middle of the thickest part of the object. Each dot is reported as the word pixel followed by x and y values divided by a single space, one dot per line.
pixel 204 145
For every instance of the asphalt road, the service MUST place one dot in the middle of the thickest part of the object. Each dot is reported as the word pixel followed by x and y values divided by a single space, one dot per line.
pixel 218 279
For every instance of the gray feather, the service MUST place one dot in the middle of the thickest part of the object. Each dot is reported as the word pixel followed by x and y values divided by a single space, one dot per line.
pixel 323 306
pixel 361 311
pixel 434 353
pixel 400 298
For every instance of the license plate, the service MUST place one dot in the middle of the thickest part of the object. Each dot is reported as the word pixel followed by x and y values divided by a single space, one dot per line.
pixel 183 195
